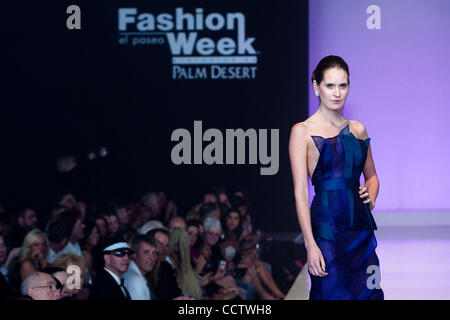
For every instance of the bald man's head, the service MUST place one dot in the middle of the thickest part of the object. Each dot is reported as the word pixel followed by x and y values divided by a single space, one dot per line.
pixel 40 286
pixel 177 222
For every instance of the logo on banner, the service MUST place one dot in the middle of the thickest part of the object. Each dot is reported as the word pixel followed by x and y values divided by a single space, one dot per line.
pixel 203 46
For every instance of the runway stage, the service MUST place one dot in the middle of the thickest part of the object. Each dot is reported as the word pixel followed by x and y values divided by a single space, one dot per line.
pixel 414 253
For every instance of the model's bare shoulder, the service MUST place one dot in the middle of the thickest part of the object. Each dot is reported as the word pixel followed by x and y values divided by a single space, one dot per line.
pixel 300 129
pixel 358 129
pixel 300 133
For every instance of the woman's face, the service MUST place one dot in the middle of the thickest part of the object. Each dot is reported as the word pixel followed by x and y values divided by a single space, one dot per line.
pixel 232 220
pixel 101 224
pixel 38 248
pixel 193 234
pixel 94 237
pixel 333 88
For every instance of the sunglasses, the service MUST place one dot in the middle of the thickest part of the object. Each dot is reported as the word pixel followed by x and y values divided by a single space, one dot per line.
pixel 122 253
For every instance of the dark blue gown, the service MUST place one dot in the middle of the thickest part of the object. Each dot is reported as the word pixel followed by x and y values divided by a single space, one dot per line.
pixel 342 224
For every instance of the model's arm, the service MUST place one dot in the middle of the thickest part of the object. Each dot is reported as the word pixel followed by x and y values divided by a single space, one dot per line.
pixel 371 180
pixel 298 156
pixel 371 184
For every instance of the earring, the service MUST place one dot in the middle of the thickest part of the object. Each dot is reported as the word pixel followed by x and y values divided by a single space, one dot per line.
pixel 317 93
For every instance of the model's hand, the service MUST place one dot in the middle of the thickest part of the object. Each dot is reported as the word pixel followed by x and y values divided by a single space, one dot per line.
pixel 365 195
pixel 316 262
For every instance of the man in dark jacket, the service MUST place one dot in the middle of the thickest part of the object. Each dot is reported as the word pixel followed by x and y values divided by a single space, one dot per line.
pixel 108 282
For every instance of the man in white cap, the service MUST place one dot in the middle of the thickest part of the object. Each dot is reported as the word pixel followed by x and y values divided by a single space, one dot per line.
pixel 108 283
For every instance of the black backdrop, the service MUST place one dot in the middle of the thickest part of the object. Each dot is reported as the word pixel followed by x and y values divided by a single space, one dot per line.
pixel 73 91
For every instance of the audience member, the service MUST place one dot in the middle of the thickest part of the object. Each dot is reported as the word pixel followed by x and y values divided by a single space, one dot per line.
pixel 108 282
pixel 143 263
pixel 74 219
pixel 63 262
pixel 193 230
pixel 123 215
pixel 113 224
pixel 88 245
pixel 181 262
pixel 26 220
pixel 33 256
pixel 58 235
pixel 164 278
pixel 102 225
pixel 40 286
pixel 177 222
pixel 152 202
pixel 6 291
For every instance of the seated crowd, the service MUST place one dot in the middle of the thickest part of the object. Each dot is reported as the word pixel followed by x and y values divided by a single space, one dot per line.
pixel 137 251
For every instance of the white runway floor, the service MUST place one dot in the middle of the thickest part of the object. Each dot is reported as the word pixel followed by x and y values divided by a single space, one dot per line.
pixel 414 259
pixel 415 262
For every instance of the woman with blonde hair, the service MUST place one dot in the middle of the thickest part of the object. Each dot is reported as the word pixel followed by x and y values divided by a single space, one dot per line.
pixel 63 262
pixel 33 253
pixel 188 282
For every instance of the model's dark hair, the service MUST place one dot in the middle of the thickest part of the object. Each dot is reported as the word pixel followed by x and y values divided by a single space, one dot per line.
pixel 327 63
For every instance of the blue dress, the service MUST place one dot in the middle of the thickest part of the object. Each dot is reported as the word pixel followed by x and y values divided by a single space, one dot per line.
pixel 342 224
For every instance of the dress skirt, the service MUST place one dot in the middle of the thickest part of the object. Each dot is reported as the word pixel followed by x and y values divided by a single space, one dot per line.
pixel 352 265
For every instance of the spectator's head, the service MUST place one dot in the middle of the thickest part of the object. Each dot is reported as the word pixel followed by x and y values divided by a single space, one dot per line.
pixel 140 214
pixel 27 218
pixel 113 224
pixel 82 208
pixel 179 245
pixel 209 210
pixel 40 286
pixel 116 255
pixel 239 201
pixel 151 225
pixel 91 235
pixel 152 201
pixel 123 214
pixel 3 250
pixel 69 201
pixel 146 253
pixel 102 225
pixel 73 219
pixel 213 231
pixel 69 259
pixel 62 276
pixel 34 246
pixel 162 198
pixel 232 222
pixel 58 234
pixel 177 222
pixel 209 198
pixel 162 238
pixel 192 228
pixel 221 193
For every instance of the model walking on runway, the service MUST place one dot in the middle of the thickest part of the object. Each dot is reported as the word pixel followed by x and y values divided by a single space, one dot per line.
pixel 338 228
